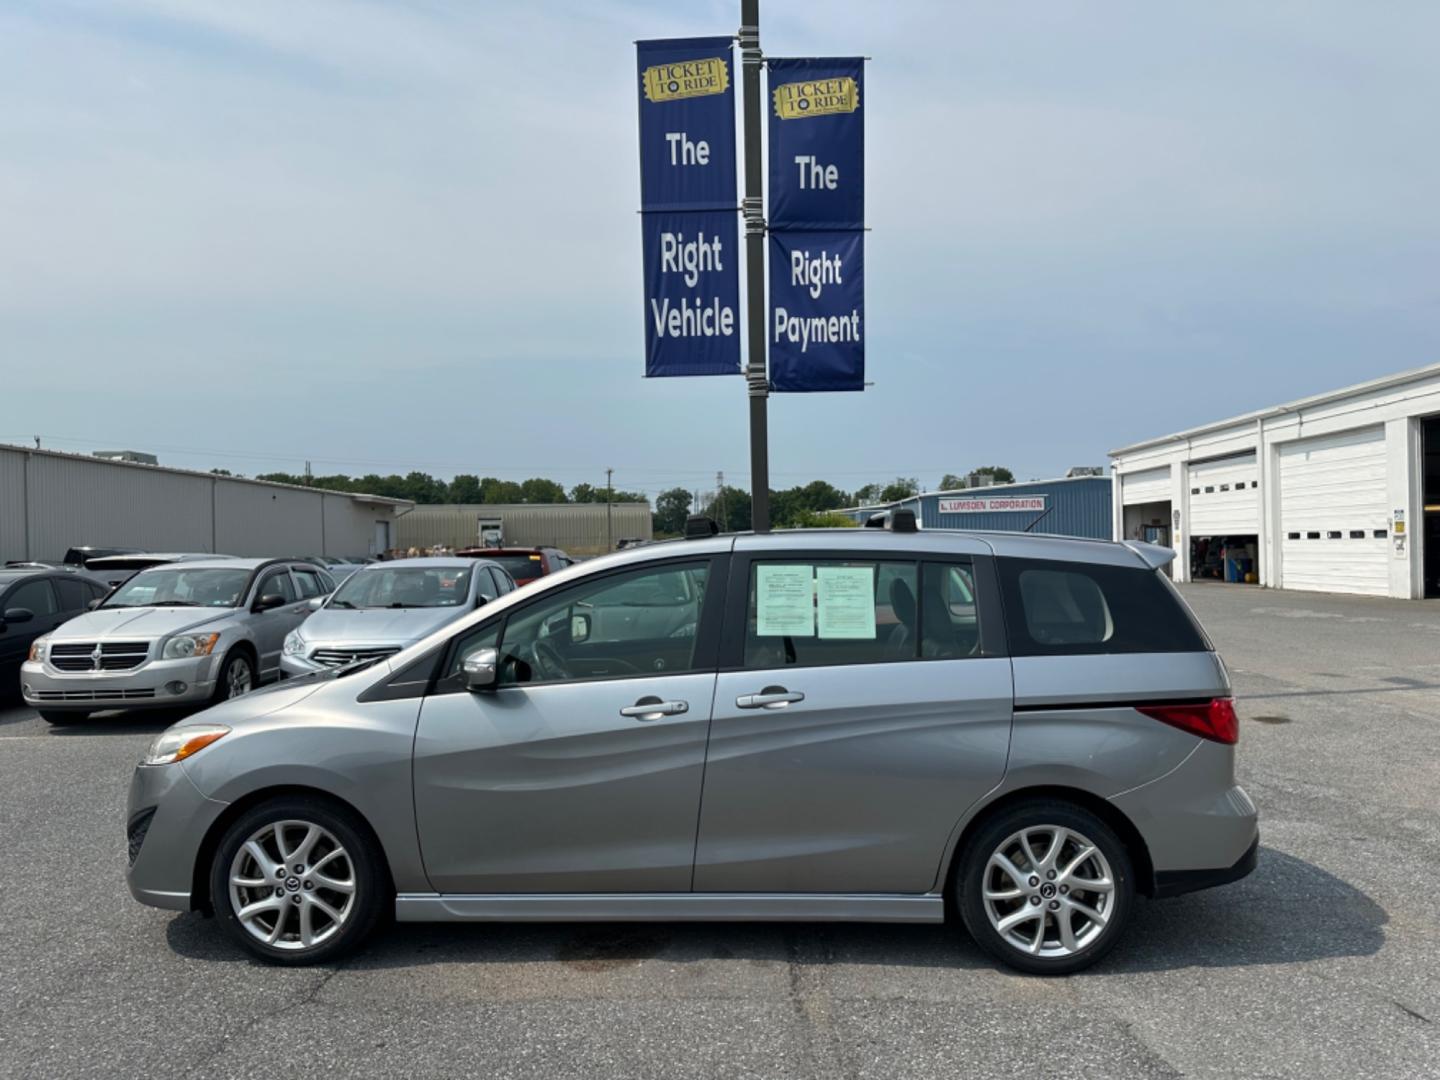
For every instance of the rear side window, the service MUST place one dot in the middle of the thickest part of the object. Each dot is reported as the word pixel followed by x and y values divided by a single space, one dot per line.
pixel 1066 608
pixel 74 595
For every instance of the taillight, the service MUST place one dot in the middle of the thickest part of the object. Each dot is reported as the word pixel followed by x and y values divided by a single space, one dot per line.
pixel 1214 719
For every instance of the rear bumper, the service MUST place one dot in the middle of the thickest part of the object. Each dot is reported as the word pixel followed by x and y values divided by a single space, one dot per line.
pixel 1179 882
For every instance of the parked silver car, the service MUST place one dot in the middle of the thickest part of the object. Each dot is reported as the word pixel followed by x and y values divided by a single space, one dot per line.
pixel 383 607
pixel 177 633
pixel 813 725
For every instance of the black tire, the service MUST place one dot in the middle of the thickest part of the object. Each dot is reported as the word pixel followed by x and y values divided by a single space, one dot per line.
pixel 372 889
pixel 974 868
pixel 60 719
pixel 222 683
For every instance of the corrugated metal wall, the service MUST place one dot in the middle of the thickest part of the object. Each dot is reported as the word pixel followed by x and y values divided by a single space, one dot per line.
pixel 1078 507
pixel 578 528
pixel 79 500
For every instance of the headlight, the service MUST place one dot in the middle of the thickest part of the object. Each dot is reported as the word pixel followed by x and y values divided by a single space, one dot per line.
pixel 38 647
pixel 294 644
pixel 188 645
pixel 179 743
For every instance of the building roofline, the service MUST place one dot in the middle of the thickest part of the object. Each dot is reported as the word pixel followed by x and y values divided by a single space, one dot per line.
pixel 1383 383
pixel 878 507
pixel 110 463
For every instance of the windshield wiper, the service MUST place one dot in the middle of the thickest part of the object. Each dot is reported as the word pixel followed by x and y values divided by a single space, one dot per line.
pixel 342 603
pixel 174 603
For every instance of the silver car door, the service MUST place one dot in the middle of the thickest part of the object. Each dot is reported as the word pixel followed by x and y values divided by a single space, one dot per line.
pixel 581 771
pixel 270 627
pixel 856 727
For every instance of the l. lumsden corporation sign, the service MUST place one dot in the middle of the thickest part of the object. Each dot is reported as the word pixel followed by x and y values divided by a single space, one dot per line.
pixel 993 504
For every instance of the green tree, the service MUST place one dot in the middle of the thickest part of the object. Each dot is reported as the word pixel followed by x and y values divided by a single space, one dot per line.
pixel 495 490
pixel 465 488
pixel 823 519
pixel 671 509
pixel 949 482
pixel 998 473
pixel 730 507
pixel 538 490
pixel 902 487
pixel 869 495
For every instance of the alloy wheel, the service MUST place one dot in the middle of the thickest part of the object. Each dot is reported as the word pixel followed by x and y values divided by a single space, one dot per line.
pixel 1048 891
pixel 238 679
pixel 292 885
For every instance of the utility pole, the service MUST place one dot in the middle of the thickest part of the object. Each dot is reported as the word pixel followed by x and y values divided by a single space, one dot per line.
pixel 609 513
pixel 757 379
pixel 720 498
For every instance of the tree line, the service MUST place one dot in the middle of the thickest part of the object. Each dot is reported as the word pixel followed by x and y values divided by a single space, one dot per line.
pixel 802 506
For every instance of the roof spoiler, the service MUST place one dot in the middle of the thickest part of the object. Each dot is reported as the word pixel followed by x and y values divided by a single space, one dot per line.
pixel 1154 555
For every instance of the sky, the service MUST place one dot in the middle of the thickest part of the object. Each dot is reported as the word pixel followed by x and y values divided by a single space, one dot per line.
pixel 383 236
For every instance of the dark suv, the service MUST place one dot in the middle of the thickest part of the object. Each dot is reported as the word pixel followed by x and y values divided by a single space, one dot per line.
pixel 525 564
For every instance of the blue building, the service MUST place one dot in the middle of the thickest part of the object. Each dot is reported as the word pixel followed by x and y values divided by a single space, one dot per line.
pixel 1072 506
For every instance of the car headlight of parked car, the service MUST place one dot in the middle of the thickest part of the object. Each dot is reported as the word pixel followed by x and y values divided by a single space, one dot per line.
pixel 179 743
pixel 38 647
pixel 188 645
pixel 294 644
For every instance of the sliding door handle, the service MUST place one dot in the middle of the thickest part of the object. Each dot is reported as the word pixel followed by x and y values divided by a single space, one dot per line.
pixel 772 697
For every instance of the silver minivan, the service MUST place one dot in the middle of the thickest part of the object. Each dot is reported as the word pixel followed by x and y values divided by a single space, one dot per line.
pixel 870 724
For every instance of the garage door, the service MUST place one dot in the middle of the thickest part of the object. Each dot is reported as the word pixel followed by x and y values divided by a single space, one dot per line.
pixel 1146 486
pixel 1333 527
pixel 1225 497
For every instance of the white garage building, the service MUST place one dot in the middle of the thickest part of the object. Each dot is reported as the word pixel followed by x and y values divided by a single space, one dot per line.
pixel 1330 493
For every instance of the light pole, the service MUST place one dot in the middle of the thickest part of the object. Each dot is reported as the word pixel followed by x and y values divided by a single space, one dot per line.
pixel 757 379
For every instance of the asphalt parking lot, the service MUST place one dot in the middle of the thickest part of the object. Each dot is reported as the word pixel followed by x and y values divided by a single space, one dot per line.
pixel 1325 962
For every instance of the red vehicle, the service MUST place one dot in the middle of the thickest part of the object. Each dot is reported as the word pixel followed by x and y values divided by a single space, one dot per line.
pixel 524 564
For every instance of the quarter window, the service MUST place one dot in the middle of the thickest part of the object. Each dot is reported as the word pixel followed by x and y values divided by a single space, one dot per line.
pixel 1059 608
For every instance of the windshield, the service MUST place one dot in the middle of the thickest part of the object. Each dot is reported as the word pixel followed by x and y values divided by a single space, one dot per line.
pixel 405 587
pixel 521 567
pixel 173 586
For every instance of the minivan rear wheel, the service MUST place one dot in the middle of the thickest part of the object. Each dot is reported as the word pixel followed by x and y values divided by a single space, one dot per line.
pixel 1046 887
pixel 297 881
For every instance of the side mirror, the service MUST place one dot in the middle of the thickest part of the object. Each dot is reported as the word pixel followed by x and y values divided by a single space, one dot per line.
pixel 480 669
pixel 482 600
pixel 316 603
pixel 93 604
pixel 579 629
pixel 18 615
pixel 268 602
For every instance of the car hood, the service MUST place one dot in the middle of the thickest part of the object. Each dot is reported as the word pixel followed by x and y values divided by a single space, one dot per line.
pixel 376 626
pixel 138 622
pixel 238 712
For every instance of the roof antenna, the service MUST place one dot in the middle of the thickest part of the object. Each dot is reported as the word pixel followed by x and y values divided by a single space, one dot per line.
pixel 1040 518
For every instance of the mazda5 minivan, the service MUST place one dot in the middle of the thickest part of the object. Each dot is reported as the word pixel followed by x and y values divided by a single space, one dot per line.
pixel 874 724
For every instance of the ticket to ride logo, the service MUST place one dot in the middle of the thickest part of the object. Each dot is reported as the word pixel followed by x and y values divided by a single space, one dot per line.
pixel 816 97
pixel 686 79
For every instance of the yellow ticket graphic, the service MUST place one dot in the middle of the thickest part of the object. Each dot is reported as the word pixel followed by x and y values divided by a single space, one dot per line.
pixel 686 79
pixel 817 97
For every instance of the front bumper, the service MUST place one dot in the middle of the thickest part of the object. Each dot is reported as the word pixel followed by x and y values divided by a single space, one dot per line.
pixel 292 667
pixel 162 866
pixel 151 685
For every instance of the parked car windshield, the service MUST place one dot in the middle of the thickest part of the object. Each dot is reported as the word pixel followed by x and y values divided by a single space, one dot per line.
pixel 174 586
pixel 404 586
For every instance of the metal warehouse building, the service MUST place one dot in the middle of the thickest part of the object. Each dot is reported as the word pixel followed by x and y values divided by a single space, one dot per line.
pixel 1073 506
pixel 52 501
pixel 1339 492
pixel 576 528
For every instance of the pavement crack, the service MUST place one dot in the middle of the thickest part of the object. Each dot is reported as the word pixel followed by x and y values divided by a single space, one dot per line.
pixel 1411 1012
pixel 812 1009
pixel 299 1002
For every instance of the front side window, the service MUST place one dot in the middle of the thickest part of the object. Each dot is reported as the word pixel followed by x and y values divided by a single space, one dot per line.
pixel 645 622
pixel 1062 608
pixel 405 586
pixel 279 585
pixel 33 596
pixel 174 586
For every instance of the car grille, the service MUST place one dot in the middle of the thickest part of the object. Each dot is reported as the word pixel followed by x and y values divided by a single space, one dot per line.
pixel 114 655
pixel 337 657
pixel 92 695
pixel 135 832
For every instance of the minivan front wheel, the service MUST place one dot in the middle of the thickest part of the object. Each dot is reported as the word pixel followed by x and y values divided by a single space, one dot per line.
pixel 1046 887
pixel 295 881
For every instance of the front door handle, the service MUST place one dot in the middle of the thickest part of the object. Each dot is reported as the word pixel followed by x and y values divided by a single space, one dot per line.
pixel 772 697
pixel 652 708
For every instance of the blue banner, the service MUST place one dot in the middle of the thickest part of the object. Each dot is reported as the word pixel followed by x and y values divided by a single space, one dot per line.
pixel 817 144
pixel 692 293
pixel 687 124
pixel 689 206
pixel 817 311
